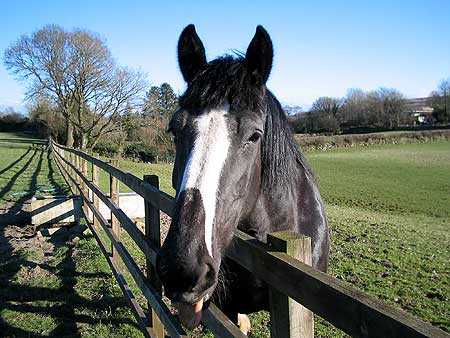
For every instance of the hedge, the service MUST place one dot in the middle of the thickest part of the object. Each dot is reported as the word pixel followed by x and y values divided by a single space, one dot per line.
pixel 310 143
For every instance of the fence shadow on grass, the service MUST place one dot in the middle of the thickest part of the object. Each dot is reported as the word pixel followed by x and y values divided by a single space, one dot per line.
pixel 62 305
pixel 12 164
pixel 16 213
pixel 25 286
pixel 21 170
pixel 52 177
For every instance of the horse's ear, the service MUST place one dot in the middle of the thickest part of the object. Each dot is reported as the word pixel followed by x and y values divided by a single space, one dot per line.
pixel 259 55
pixel 191 53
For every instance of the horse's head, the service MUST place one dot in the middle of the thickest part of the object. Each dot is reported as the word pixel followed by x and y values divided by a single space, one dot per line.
pixel 218 133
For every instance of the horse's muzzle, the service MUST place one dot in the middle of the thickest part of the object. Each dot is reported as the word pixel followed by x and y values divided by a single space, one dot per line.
pixel 184 265
pixel 185 282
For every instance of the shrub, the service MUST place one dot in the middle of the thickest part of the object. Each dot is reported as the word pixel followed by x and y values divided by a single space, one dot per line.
pixel 309 143
pixel 140 152
pixel 106 149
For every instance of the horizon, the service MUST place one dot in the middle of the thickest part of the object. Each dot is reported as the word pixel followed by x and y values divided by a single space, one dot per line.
pixel 320 50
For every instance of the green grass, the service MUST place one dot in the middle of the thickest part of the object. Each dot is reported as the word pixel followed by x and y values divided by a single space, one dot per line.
pixel 388 208
pixel 5 136
pixel 403 179
pixel 164 172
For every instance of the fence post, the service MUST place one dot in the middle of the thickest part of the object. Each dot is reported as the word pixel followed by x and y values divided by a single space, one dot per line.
pixel 77 166
pixel 287 317
pixel 84 186
pixel 153 234
pixel 72 172
pixel 68 157
pixel 114 194
pixel 95 199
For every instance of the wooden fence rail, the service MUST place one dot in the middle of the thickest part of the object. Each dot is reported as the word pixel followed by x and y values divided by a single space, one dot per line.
pixel 348 309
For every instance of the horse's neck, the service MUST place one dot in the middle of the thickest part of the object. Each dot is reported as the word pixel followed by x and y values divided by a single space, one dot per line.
pixel 297 207
pixel 273 211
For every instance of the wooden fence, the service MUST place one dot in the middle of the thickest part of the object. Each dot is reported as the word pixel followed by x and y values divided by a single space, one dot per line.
pixel 278 262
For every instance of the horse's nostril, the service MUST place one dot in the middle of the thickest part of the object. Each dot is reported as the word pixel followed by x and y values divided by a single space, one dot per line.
pixel 207 277
pixel 210 271
pixel 162 268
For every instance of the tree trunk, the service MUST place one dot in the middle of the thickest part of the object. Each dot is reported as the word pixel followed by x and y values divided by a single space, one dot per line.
pixel 94 142
pixel 69 133
pixel 84 141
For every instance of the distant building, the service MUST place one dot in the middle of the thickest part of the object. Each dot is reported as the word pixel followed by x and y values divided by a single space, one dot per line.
pixel 420 110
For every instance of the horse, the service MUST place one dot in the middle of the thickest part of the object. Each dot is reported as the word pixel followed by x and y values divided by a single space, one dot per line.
pixel 237 166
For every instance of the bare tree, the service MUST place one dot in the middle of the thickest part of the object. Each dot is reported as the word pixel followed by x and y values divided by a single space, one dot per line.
pixel 76 70
pixel 381 108
pixel 329 106
pixel 386 107
pixel 355 108
pixel 393 106
pixel 292 110
pixel 43 62
pixel 441 101
pixel 327 110
pixel 98 106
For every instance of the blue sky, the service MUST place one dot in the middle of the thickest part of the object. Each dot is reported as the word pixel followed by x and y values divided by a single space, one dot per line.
pixel 322 48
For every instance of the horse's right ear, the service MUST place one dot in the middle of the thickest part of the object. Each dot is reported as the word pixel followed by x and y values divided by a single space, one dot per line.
pixel 259 55
pixel 191 53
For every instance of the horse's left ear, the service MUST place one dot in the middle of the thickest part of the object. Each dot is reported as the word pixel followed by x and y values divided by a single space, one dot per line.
pixel 259 55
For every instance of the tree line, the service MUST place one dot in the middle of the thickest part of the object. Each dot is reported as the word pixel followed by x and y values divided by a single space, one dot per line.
pixel 11 120
pixel 383 108
pixel 139 134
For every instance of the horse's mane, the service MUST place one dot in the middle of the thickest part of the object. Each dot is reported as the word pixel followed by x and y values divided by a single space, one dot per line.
pixel 280 152
pixel 227 79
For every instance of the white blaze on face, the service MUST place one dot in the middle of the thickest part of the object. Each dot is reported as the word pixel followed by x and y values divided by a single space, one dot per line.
pixel 205 163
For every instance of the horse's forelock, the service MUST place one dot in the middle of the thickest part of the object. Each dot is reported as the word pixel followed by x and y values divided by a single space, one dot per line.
pixel 225 79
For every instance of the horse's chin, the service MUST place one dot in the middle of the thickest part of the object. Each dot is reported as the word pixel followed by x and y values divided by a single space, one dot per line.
pixel 190 315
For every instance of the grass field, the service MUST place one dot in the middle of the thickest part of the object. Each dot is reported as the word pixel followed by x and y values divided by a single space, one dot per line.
pixel 389 213
pixel 388 208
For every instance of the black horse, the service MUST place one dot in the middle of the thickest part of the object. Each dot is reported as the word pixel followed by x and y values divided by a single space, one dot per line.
pixel 237 166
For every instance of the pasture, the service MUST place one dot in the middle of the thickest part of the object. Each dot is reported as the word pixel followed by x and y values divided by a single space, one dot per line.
pixel 389 217
pixel 388 211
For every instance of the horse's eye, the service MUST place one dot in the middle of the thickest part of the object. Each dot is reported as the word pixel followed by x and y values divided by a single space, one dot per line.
pixel 255 137
pixel 172 131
